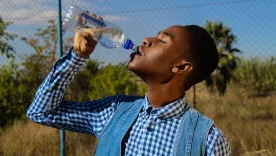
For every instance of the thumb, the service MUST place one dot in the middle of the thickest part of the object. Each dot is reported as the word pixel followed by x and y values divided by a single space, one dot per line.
pixel 85 34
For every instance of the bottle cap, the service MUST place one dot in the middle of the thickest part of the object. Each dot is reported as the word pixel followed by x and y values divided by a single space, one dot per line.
pixel 128 44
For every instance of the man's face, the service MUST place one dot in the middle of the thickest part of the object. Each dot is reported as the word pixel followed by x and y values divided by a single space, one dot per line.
pixel 157 55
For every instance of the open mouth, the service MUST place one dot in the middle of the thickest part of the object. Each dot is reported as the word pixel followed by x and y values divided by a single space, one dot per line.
pixel 137 52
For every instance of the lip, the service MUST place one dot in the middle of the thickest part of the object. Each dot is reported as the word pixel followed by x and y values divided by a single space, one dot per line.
pixel 132 55
pixel 141 51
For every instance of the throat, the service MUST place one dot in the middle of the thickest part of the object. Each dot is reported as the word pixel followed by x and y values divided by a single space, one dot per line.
pixel 159 97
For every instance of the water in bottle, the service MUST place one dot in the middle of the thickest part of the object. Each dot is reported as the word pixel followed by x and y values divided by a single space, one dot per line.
pixel 107 34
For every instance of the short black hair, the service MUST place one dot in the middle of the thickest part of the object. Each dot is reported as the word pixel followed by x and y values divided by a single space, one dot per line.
pixel 202 53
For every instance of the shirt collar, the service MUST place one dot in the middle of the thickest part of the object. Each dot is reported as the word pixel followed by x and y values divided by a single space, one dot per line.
pixel 173 109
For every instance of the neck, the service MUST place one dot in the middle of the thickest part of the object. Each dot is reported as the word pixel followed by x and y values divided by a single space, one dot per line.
pixel 161 94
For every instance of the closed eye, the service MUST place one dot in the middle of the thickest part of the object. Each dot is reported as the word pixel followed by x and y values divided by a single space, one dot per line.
pixel 162 41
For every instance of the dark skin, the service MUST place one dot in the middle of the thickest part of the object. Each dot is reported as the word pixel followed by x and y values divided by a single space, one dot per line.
pixel 162 63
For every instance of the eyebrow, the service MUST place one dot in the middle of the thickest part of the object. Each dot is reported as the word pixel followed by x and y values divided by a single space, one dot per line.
pixel 166 34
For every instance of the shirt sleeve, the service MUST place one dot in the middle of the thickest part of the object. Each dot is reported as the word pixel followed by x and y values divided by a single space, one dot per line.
pixel 48 107
pixel 217 144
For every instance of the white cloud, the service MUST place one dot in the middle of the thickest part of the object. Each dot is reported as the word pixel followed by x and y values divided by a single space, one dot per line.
pixel 30 12
pixel 25 12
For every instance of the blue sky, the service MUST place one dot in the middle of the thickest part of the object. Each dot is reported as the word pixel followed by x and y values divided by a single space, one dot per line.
pixel 252 21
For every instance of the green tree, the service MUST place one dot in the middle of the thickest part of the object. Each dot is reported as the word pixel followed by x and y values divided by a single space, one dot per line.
pixel 5 37
pixel 14 96
pixel 17 87
pixel 45 42
pixel 94 82
pixel 38 65
pixel 112 80
pixel 80 86
pixel 224 39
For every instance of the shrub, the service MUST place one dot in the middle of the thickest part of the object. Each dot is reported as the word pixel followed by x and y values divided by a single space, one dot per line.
pixel 257 76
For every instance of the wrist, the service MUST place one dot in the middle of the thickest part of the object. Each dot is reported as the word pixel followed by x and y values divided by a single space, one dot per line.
pixel 81 54
pixel 78 56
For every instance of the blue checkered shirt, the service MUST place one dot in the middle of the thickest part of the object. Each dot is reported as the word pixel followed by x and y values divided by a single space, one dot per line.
pixel 153 133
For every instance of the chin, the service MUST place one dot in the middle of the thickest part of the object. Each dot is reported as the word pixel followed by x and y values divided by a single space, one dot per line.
pixel 134 68
pixel 131 66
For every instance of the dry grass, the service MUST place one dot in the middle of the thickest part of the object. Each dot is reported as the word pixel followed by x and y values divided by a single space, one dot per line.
pixel 30 139
pixel 249 124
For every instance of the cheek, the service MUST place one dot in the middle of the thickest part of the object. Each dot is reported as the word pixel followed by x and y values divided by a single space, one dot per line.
pixel 159 60
pixel 157 56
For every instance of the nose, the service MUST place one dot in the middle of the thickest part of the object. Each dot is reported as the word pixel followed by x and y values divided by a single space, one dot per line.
pixel 147 42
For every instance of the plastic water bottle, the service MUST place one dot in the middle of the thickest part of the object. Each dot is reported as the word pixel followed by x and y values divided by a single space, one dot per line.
pixel 107 34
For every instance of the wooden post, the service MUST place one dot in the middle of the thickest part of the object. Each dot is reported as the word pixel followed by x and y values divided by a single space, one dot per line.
pixel 194 96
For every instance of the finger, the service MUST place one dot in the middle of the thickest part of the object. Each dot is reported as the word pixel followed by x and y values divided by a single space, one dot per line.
pixel 76 43
pixel 78 34
pixel 85 34
pixel 84 43
pixel 79 19
pixel 93 15
pixel 100 18
pixel 83 46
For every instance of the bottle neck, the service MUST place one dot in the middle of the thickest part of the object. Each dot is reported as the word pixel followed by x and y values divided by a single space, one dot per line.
pixel 134 47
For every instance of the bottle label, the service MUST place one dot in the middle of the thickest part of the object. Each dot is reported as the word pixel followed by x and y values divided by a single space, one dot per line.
pixel 87 17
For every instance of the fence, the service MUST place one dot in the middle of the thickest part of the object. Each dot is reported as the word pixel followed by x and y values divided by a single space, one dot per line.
pixel 251 21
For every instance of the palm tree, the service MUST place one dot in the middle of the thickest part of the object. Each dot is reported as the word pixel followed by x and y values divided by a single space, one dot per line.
pixel 224 39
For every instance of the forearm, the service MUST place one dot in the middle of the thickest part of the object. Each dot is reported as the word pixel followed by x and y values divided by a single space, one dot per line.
pixel 51 92
pixel 48 107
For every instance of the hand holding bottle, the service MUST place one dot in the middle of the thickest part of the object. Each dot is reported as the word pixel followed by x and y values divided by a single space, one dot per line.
pixel 107 34
pixel 84 44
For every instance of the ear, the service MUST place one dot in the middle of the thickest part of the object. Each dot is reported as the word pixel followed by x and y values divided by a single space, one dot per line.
pixel 182 67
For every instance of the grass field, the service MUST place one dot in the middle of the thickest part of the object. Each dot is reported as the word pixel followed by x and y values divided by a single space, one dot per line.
pixel 249 124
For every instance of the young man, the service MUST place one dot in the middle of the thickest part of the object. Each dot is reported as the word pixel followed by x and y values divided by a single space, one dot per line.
pixel 161 123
